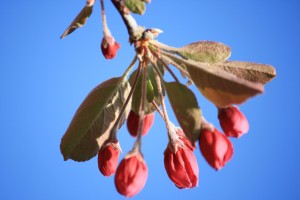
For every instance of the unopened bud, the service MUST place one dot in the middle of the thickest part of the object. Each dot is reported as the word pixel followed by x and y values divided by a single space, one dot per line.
pixel 109 47
pixel 131 175
pixel 108 158
pixel 133 123
pixel 215 147
pixel 181 165
pixel 90 2
pixel 233 121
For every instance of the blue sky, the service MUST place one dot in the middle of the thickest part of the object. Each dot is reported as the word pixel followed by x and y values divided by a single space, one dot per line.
pixel 44 79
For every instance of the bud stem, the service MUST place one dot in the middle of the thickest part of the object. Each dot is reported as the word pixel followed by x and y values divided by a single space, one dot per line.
pixel 129 67
pixel 116 124
pixel 157 73
pixel 138 143
pixel 158 110
pixel 106 31
pixel 206 125
pixel 171 131
pixel 162 115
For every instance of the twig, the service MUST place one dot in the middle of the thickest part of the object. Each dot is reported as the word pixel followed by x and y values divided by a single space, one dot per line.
pixel 133 29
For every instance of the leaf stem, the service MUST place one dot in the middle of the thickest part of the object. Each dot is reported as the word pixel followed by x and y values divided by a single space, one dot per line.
pixel 181 69
pixel 182 60
pixel 166 59
pixel 164 47
pixel 167 67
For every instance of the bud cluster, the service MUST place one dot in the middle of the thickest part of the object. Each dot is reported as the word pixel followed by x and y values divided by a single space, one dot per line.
pixel 204 63
pixel 179 159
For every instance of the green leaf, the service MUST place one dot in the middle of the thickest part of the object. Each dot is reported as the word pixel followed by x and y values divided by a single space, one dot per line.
pixel 186 109
pixel 151 76
pixel 137 94
pixel 205 51
pixel 150 91
pixel 136 6
pixel 79 21
pixel 220 87
pixel 94 119
pixel 249 71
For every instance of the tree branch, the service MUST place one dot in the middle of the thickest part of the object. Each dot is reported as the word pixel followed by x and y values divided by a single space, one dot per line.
pixel 134 30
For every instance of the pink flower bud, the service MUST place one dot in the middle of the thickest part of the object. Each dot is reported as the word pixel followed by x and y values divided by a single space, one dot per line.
pixel 215 147
pixel 233 121
pixel 185 140
pixel 90 2
pixel 109 47
pixel 108 159
pixel 181 165
pixel 131 175
pixel 133 123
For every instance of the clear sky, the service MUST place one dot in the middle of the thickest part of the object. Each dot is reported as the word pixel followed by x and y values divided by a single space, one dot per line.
pixel 44 79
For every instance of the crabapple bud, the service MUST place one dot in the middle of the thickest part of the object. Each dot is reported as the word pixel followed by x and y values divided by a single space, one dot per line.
pixel 215 147
pixel 133 123
pixel 109 47
pixel 233 121
pixel 131 175
pixel 185 140
pixel 108 158
pixel 181 165
pixel 90 2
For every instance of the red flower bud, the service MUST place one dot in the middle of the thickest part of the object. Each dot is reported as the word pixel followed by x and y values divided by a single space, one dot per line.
pixel 185 140
pixel 109 47
pixel 90 2
pixel 131 175
pixel 181 165
pixel 215 147
pixel 108 159
pixel 233 121
pixel 133 123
